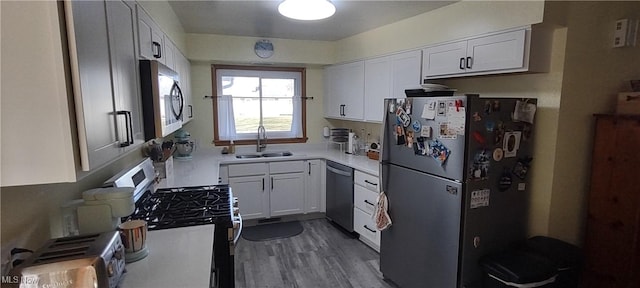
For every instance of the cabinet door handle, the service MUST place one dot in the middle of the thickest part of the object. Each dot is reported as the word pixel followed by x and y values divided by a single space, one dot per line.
pixel 309 168
pixel 462 63
pixel 263 184
pixel 128 125
pixel 367 201
pixel 190 111
pixel 271 183
pixel 365 227
pixel 371 183
pixel 469 62
pixel 158 51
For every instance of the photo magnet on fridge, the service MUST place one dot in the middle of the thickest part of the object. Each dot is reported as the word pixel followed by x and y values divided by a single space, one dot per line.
pixel 402 117
pixel 505 180
pixel 400 140
pixel 511 143
pixel 419 148
pixel 480 167
pixel 522 167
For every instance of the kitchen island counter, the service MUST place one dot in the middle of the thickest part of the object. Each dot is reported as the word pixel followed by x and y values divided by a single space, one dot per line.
pixel 178 257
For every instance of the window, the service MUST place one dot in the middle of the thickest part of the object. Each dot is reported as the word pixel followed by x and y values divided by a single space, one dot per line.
pixel 248 97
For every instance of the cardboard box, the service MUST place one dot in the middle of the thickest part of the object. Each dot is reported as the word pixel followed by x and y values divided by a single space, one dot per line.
pixel 164 169
pixel 628 103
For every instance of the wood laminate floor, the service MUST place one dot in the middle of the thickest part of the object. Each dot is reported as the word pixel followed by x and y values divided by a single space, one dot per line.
pixel 322 256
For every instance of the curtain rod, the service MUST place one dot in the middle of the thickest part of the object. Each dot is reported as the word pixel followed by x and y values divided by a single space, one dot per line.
pixel 212 97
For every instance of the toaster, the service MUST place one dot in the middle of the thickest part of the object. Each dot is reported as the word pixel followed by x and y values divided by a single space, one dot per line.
pixel 92 260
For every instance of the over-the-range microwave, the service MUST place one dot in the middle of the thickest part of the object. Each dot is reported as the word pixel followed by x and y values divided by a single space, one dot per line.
pixel 162 100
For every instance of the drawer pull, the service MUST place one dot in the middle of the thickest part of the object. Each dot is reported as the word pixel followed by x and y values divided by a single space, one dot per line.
pixel 365 227
pixel 369 182
pixel 367 201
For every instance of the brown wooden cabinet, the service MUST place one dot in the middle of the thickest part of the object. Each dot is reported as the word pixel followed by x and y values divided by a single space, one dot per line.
pixel 612 246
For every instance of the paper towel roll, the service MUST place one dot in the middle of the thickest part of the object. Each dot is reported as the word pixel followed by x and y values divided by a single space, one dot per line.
pixel 326 132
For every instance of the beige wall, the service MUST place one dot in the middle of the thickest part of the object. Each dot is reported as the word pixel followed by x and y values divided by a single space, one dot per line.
pixel 203 50
pixel 163 15
pixel 459 20
pixel 594 73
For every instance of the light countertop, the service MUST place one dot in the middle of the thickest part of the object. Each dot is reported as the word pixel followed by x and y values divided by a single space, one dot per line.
pixel 178 257
pixel 203 168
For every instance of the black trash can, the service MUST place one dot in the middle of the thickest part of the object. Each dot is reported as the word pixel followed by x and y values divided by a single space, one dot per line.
pixel 567 257
pixel 517 268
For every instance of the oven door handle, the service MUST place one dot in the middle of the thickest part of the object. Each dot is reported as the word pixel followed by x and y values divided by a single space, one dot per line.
pixel 237 237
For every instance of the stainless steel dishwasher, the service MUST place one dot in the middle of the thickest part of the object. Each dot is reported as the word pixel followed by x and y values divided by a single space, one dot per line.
pixel 340 195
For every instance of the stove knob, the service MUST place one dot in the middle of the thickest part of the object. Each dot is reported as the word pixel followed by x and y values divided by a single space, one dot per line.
pixel 236 211
pixel 118 253
pixel 110 268
pixel 235 201
pixel 236 225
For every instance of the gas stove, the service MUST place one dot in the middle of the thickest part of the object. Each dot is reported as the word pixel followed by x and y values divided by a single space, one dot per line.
pixel 168 208
pixel 185 206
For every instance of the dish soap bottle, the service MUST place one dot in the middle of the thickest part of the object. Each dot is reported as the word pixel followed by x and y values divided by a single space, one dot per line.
pixel 232 148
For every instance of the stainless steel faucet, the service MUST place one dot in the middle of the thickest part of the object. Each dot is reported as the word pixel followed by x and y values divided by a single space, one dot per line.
pixel 262 136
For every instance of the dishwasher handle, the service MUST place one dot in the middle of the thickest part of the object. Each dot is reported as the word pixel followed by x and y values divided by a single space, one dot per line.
pixel 339 172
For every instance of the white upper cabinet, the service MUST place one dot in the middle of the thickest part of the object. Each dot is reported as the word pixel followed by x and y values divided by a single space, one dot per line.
pixel 169 54
pixel 344 90
pixel 496 53
pixel 150 37
pixel 105 73
pixel 377 86
pixel 388 77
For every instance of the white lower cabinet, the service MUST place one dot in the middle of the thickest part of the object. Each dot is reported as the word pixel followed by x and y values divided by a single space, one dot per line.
pixel 313 191
pixel 287 194
pixel 252 196
pixel 269 189
pixel 365 199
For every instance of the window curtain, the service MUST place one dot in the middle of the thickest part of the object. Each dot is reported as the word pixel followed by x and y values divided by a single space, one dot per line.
pixel 296 125
pixel 226 123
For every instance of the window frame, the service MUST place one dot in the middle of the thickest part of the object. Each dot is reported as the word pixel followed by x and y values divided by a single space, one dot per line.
pixel 303 114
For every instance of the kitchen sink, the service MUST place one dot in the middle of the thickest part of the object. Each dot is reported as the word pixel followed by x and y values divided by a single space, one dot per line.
pixel 247 156
pixel 277 154
pixel 266 155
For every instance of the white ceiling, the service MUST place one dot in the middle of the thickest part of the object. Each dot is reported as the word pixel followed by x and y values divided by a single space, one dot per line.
pixel 261 18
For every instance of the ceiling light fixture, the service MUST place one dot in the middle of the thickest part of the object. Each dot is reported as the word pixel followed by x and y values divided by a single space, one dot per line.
pixel 307 9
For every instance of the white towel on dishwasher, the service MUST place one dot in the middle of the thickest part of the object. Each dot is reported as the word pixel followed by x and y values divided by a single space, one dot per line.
pixel 383 221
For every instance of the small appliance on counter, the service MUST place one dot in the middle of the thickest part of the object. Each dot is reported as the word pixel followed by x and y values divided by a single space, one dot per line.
pixel 91 260
pixel 103 208
pixel 184 146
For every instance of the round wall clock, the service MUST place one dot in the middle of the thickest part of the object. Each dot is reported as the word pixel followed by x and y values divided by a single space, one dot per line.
pixel 263 48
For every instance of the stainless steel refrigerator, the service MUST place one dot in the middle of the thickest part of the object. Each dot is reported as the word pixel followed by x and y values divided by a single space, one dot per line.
pixel 455 172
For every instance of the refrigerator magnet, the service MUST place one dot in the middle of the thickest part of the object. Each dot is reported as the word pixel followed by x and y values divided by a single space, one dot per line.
pixel 429 110
pixel 496 106
pixel 400 135
pixel 446 132
pixel 488 107
pixel 416 126
pixel 402 117
pixel 420 148
pixel 476 117
pixel 498 133
pixel 522 167
pixel 480 198
pixel 480 167
pixel 407 105
pixel 409 136
pixel 490 125
pixel 511 143
pixel 425 131
pixel 505 180
pixel 442 108
pixel 478 137
pixel 438 151
pixel 524 111
pixel 498 154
